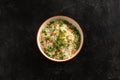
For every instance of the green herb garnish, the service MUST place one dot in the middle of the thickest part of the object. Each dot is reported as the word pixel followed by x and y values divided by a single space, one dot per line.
pixel 43 31
pixel 61 23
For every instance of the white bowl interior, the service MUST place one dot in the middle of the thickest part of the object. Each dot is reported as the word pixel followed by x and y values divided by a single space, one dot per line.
pixel 70 20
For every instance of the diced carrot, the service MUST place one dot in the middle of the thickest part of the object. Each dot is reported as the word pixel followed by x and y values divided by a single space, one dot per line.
pixel 70 30
pixel 41 37
pixel 51 33
pixel 50 39
pixel 53 57
pixel 47 41
pixel 55 25
pixel 73 51
pixel 44 47
pixel 56 33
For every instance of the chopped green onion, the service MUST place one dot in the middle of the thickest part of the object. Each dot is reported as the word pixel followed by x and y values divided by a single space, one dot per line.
pixel 61 23
pixel 43 31
pixel 47 38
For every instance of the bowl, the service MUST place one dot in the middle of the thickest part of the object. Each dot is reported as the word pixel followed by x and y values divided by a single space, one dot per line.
pixel 68 19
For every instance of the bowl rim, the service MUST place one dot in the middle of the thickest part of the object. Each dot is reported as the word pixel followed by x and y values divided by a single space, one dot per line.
pixel 80 45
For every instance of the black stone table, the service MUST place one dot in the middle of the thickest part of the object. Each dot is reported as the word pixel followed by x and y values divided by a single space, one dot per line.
pixel 20 58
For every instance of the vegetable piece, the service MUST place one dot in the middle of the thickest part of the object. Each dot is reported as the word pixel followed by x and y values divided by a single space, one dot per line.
pixel 43 31
pixel 61 33
pixel 61 57
pixel 47 38
pixel 61 23
pixel 50 49
pixel 51 22
pixel 41 42
pixel 47 54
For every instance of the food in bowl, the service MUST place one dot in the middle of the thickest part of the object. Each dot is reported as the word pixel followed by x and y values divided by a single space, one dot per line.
pixel 59 39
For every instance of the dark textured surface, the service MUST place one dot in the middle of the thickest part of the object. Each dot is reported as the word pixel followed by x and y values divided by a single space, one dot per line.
pixel 20 58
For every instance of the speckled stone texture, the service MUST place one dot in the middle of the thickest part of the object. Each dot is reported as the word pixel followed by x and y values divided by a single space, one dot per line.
pixel 20 58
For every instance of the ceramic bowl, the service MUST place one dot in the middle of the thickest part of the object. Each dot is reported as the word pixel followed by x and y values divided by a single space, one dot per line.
pixel 70 20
